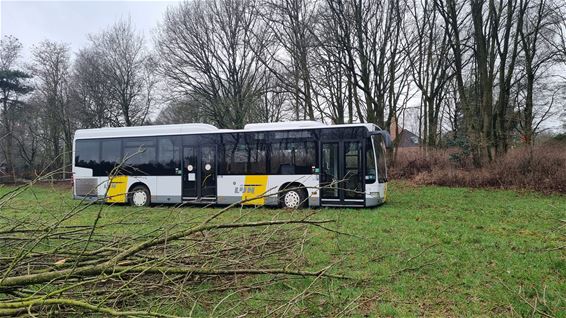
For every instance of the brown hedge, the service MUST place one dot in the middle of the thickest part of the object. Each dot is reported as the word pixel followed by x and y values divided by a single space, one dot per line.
pixel 539 168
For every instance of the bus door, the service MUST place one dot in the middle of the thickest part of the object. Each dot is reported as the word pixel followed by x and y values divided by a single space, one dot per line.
pixel 199 173
pixel 341 176
pixel 207 181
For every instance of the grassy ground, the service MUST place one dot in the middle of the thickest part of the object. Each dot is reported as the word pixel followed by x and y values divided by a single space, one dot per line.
pixel 431 251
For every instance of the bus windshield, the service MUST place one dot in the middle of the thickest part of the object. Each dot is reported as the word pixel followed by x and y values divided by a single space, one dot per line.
pixel 379 147
pixel 371 168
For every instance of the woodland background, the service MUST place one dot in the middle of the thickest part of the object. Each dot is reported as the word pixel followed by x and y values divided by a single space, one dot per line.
pixel 478 81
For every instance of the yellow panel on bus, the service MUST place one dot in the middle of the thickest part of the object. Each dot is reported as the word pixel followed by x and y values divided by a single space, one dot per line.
pixel 254 186
pixel 117 189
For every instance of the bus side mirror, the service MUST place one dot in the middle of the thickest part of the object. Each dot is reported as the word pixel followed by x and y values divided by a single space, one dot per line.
pixel 386 137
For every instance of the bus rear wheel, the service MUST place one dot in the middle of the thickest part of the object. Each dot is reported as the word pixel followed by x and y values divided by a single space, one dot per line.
pixel 139 196
pixel 293 199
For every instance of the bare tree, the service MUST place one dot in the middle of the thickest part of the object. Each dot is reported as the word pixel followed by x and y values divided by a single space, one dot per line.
pixel 91 91
pixel 180 111
pixel 124 64
pixel 12 86
pixel 211 51
pixel 484 40
pixel 428 52
pixel 291 24
pixel 560 36
pixel 275 104
pixel 496 41
pixel 370 39
pixel 335 91
pixel 537 54
pixel 51 68
pixel 559 42
pixel 10 50
pixel 31 145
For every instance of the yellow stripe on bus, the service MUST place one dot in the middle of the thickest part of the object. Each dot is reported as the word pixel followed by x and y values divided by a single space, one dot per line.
pixel 117 189
pixel 254 186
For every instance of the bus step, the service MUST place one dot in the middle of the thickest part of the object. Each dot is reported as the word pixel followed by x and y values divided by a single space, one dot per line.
pixel 199 200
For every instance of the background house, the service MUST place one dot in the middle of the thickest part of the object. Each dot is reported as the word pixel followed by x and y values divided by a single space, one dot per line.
pixel 403 137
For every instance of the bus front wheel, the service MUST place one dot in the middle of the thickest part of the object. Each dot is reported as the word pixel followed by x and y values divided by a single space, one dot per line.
pixel 294 198
pixel 139 196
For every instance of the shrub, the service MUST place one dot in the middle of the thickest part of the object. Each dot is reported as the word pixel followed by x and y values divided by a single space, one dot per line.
pixel 560 137
pixel 540 168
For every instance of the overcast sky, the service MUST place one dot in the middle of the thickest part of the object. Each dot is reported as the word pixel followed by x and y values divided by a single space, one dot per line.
pixel 72 20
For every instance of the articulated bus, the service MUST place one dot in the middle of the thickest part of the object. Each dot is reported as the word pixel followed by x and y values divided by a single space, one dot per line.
pixel 288 164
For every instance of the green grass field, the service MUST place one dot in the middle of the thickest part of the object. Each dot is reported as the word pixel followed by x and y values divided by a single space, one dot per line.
pixel 430 251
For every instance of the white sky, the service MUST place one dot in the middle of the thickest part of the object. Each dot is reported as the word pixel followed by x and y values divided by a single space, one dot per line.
pixel 71 21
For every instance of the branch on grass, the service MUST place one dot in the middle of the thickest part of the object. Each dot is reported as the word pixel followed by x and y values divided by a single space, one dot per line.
pixel 202 228
pixel 109 275
pixel 17 307
pixel 11 306
pixel 212 272
pixel 534 306
pixel 85 271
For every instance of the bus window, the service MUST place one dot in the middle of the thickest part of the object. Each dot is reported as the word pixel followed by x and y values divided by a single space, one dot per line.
pixel 236 159
pixel 110 155
pixel 87 153
pixel 167 156
pixel 241 158
pixel 293 157
pixel 140 155
pixel 257 158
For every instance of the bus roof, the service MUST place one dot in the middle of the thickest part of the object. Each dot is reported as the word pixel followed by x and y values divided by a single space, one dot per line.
pixel 189 129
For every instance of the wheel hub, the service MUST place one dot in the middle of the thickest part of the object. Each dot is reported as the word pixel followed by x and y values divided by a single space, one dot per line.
pixel 292 199
pixel 139 198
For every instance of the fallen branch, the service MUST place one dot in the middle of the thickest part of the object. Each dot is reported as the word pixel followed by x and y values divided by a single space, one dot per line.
pixel 69 269
pixel 16 307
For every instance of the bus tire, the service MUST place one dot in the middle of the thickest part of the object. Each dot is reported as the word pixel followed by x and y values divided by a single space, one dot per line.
pixel 294 198
pixel 139 196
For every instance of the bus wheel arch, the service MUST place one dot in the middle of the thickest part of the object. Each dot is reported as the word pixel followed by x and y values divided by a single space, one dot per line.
pixel 139 195
pixel 293 195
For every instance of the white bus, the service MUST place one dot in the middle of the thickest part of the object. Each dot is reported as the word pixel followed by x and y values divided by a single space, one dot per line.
pixel 290 164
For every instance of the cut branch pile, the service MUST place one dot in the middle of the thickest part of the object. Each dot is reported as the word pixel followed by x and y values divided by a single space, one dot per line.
pixel 113 267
